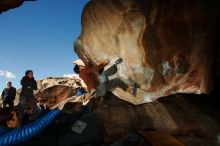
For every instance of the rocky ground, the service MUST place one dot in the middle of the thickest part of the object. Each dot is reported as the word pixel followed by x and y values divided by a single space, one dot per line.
pixel 179 120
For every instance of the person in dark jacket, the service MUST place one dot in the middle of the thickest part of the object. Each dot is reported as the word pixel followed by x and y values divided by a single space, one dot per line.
pixel 8 96
pixel 27 95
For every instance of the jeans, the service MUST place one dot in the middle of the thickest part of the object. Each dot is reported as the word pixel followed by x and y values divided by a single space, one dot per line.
pixel 106 84
pixel 8 102
pixel 32 102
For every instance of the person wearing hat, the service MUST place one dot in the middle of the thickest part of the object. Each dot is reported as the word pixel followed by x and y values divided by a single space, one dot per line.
pixel 8 96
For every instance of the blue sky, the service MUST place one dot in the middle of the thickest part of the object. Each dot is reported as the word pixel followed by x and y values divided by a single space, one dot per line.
pixel 39 36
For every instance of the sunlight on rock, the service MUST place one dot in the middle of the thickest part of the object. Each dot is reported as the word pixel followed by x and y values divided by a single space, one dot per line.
pixel 162 45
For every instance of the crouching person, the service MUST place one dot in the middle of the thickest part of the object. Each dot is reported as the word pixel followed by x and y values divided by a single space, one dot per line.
pixel 27 95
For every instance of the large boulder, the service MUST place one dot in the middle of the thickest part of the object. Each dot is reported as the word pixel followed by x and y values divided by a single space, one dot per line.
pixel 166 45
pixel 184 116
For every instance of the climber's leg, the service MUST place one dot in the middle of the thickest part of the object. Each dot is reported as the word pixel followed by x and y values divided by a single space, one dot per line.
pixel 33 104
pixel 117 83
pixel 110 71
pixel 21 106
pixel 104 81
pixel 113 69
pixel 102 89
pixel 106 85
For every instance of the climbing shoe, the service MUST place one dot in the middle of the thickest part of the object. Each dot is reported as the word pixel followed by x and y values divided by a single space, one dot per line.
pixel 120 60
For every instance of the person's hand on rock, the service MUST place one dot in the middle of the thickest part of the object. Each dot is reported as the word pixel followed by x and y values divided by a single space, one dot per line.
pixel 105 62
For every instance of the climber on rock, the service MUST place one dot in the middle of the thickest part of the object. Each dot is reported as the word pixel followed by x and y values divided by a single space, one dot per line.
pixel 8 96
pixel 29 84
pixel 88 74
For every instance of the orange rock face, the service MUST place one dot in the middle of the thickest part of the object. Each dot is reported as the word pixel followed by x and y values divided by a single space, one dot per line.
pixel 166 46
